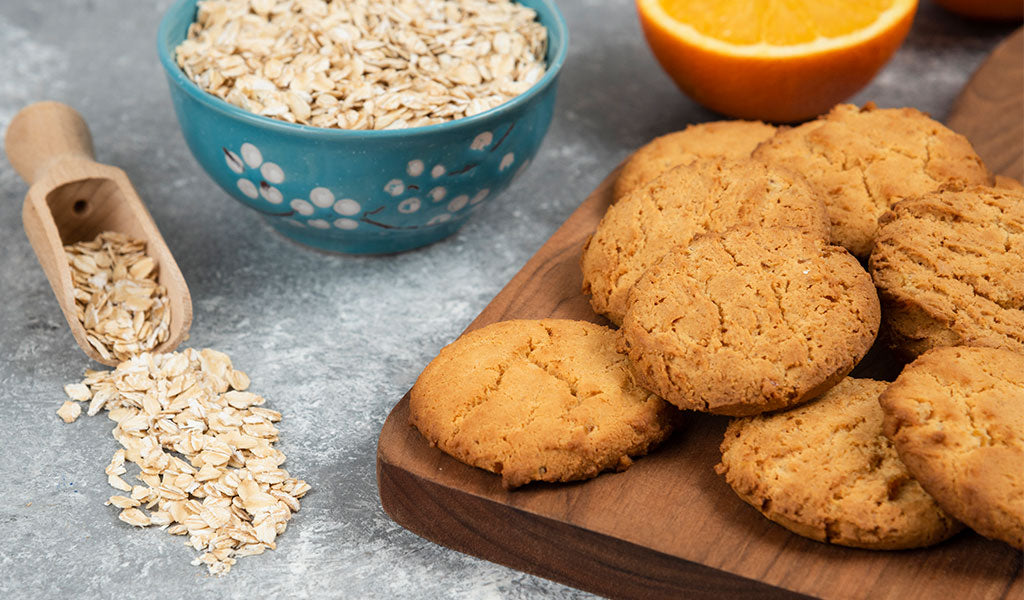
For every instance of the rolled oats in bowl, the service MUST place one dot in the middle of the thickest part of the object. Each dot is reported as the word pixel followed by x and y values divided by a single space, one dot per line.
pixel 362 126
pixel 364 64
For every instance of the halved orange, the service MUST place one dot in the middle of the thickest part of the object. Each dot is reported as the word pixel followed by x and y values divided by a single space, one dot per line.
pixel 775 60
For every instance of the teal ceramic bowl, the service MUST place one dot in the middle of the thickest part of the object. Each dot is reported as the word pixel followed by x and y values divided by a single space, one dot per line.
pixel 363 191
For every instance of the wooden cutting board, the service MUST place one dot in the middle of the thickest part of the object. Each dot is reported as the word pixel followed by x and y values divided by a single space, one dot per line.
pixel 669 527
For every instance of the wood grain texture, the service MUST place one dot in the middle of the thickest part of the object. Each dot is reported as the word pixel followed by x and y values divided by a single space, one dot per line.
pixel 668 527
pixel 73 198
pixel 990 110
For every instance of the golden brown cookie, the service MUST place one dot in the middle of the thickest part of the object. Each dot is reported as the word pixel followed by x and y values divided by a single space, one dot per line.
pixel 863 160
pixel 948 267
pixel 546 400
pixel 748 321
pixel 727 139
pixel 826 471
pixel 956 417
pixel 1008 183
pixel 707 195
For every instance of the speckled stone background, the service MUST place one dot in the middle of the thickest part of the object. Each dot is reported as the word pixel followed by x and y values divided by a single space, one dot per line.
pixel 331 341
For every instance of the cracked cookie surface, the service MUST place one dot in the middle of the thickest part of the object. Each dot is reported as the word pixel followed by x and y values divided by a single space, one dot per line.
pixel 749 321
pixel 826 471
pixel 538 400
pixel 709 195
pixel 948 269
pixel 956 417
pixel 863 160
pixel 727 139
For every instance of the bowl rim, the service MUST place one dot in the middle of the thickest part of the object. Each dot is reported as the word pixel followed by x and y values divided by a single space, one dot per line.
pixel 178 77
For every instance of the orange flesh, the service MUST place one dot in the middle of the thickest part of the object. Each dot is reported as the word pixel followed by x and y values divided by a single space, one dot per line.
pixel 775 22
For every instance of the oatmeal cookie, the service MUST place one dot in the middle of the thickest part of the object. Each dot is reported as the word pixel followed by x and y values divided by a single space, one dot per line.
pixel 708 195
pixel 545 400
pixel 948 269
pixel 748 321
pixel 727 139
pixel 863 160
pixel 825 470
pixel 956 417
pixel 1008 183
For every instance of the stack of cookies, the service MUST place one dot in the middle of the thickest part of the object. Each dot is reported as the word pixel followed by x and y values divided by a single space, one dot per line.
pixel 732 263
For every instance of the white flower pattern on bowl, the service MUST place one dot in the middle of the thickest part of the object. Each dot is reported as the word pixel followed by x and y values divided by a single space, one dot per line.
pixel 258 177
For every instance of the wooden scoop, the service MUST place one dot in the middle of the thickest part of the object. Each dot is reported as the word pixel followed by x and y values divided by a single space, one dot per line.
pixel 73 198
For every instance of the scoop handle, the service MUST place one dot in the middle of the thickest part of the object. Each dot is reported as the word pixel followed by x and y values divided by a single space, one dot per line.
pixel 43 134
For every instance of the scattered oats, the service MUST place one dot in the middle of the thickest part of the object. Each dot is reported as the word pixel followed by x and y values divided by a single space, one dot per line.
pixel 123 502
pixel 69 411
pixel 177 529
pixel 265 532
pixel 98 400
pixel 116 466
pixel 160 518
pixel 251 549
pixel 364 64
pixel 239 380
pixel 143 494
pixel 298 488
pixel 116 482
pixel 117 298
pixel 208 472
pixel 204 446
pixel 288 499
pixel 134 517
pixel 78 391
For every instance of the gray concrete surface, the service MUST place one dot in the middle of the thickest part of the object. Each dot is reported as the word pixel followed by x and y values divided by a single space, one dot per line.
pixel 332 341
